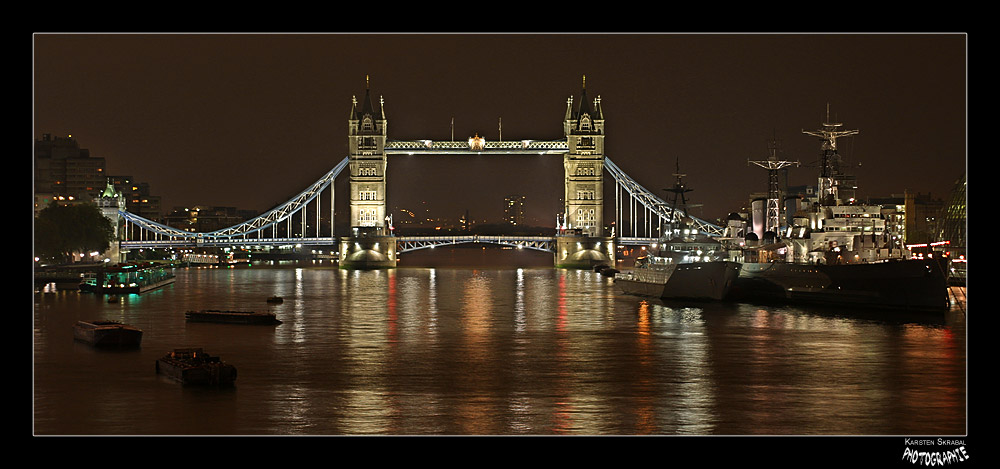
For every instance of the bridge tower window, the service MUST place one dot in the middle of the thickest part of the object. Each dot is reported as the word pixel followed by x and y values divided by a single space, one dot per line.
pixel 366 217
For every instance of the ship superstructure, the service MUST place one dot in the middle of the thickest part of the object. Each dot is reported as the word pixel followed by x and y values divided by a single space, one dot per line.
pixel 831 226
pixel 837 251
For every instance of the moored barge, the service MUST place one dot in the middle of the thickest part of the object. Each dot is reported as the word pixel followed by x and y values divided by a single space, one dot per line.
pixel 106 333
pixel 194 366
pixel 232 317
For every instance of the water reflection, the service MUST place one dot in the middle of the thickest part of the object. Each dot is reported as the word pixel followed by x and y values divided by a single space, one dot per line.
pixel 495 351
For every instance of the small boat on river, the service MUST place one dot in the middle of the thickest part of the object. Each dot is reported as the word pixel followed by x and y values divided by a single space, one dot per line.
pixel 106 333
pixel 194 366
pixel 275 300
pixel 232 317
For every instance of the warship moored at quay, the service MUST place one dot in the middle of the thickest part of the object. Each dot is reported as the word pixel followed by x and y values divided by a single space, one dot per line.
pixel 907 284
pixel 107 333
pixel 835 251
pixel 194 366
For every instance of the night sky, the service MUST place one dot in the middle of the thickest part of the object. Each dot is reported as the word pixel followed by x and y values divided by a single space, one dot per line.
pixel 249 120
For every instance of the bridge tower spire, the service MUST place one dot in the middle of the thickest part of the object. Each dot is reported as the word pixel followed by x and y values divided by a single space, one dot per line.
pixel 369 244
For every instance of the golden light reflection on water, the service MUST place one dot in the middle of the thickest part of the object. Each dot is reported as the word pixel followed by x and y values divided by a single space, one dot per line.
pixel 477 296
pixel 505 351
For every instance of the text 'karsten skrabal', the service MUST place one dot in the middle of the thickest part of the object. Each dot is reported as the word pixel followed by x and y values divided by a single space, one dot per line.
pixel 939 441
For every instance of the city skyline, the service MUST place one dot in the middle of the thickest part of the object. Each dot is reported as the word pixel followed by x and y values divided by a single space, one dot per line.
pixel 248 120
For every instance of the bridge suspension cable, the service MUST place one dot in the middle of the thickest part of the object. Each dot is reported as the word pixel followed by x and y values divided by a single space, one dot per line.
pixel 150 230
pixel 654 209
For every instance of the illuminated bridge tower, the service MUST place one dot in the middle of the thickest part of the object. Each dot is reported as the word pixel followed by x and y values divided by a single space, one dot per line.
pixel 370 244
pixel 581 242
pixel 111 202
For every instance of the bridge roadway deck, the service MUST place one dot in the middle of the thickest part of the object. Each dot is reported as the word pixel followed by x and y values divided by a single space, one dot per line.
pixel 403 243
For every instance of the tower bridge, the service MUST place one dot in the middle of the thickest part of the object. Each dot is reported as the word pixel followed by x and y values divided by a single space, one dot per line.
pixel 578 240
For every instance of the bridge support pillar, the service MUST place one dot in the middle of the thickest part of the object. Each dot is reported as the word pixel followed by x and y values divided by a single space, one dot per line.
pixel 367 252
pixel 584 252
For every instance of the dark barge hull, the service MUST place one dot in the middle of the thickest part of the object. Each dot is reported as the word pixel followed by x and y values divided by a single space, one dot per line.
pixel 232 317
pixel 107 334
pixel 913 285
pixel 193 366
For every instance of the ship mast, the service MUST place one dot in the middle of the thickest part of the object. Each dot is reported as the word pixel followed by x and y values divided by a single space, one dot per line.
pixel 678 190
pixel 772 164
pixel 830 159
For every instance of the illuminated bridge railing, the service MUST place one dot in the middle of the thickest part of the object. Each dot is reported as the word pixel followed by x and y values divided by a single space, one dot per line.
pixel 227 242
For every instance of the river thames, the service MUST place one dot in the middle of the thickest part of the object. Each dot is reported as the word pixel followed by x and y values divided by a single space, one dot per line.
pixel 501 350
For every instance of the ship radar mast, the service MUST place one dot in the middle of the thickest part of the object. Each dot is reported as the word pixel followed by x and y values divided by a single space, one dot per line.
pixel 772 164
pixel 830 159
pixel 678 190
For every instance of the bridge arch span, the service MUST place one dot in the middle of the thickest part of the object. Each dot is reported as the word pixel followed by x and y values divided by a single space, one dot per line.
pixel 414 243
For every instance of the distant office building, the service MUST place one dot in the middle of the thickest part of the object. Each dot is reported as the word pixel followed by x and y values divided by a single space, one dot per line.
pixel 202 219
pixel 66 173
pixel 465 223
pixel 513 209
pixel 953 220
pixel 137 198
pixel 63 169
pixel 918 214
